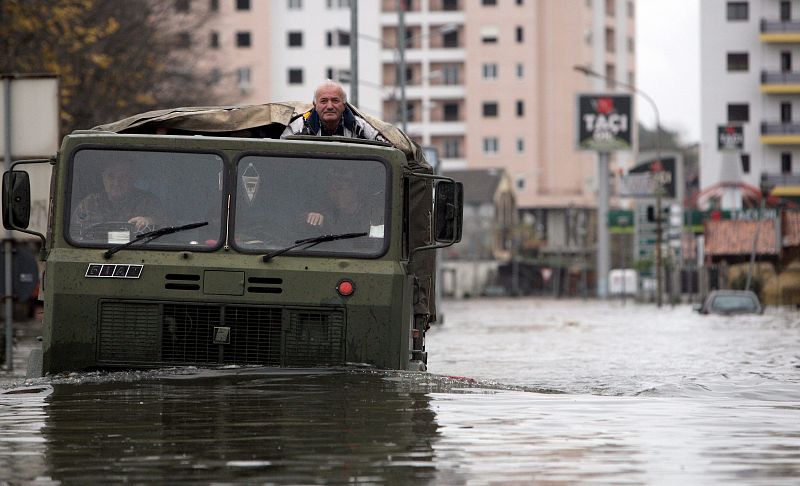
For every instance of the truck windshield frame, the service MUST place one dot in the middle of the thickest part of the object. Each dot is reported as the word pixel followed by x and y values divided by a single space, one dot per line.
pixel 279 200
pixel 114 194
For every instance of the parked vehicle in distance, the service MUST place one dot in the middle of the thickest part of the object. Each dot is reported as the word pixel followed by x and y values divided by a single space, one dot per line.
pixel 729 302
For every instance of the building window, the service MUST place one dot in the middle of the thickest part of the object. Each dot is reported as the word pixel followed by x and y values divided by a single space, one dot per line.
pixel 243 39
pixel 786 61
pixel 745 158
pixel 450 5
pixel 737 11
pixel 611 9
pixel 520 108
pixel 184 40
pixel 489 34
pixel 738 61
pixel 450 39
pixel 296 76
pixel 520 183
pixel 786 163
pixel 242 4
pixel 520 145
pixel 520 70
pixel 337 38
pixel 630 8
pixel 631 45
pixel 450 74
pixel 452 148
pixel 489 3
pixel 490 109
pixel 786 112
pixel 295 39
pixel 490 145
pixel 214 41
pixel 520 2
pixel 451 111
pixel 520 35
pixel 489 71
pixel 786 11
pixel 611 45
pixel 738 112
pixel 295 4
pixel 213 5
pixel 243 78
pixel 182 5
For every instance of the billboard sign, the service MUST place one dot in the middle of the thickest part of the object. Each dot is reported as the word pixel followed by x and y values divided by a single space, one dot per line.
pixel 642 180
pixel 604 122
pixel 730 138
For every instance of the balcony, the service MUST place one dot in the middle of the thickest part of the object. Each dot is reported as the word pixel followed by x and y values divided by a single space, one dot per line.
pixel 778 133
pixel 782 185
pixel 780 82
pixel 780 30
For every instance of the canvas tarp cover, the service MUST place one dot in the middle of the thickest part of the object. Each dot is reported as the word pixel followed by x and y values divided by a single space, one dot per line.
pixel 230 119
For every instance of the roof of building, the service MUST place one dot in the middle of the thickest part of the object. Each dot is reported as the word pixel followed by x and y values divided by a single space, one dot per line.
pixel 729 237
pixel 480 185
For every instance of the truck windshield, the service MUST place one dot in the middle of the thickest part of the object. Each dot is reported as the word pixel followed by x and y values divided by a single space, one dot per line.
pixel 118 194
pixel 280 200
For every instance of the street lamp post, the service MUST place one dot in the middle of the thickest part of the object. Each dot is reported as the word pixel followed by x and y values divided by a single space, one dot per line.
pixel 658 189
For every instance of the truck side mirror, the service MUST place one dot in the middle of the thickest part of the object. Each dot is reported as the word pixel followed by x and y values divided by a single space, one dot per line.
pixel 16 200
pixel 448 211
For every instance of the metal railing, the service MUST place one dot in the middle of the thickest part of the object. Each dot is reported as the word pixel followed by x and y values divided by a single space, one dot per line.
pixel 778 26
pixel 780 77
pixel 780 128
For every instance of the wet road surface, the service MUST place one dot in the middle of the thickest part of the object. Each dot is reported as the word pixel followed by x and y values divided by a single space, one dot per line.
pixel 518 392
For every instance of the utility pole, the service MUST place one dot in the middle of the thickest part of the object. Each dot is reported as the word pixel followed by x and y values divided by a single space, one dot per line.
pixel 354 52
pixel 401 51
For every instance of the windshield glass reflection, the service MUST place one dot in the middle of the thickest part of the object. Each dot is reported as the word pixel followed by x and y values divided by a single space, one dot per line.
pixel 282 200
pixel 117 195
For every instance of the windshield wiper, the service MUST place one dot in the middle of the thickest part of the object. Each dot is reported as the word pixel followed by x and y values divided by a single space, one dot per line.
pixel 152 235
pixel 311 242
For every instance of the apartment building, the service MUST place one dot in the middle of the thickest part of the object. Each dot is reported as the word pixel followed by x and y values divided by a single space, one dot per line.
pixel 749 79
pixel 489 83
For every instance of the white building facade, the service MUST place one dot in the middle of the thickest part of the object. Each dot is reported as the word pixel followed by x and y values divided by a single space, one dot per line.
pixel 749 79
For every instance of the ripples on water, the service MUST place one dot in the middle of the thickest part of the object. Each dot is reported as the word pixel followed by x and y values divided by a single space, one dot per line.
pixel 560 392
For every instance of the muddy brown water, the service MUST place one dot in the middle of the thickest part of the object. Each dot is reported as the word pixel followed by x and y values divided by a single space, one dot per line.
pixel 518 392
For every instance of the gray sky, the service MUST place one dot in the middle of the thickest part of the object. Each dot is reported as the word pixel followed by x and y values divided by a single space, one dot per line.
pixel 668 64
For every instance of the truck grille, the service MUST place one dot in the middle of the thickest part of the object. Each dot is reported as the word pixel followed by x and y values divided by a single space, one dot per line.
pixel 153 333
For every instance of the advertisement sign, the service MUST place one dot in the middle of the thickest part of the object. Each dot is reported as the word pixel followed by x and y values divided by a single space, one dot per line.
pixel 730 138
pixel 642 180
pixel 605 122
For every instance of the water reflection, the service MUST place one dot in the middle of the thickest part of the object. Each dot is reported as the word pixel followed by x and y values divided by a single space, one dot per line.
pixel 254 427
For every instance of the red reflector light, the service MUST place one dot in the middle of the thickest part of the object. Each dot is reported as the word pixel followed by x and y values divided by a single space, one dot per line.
pixel 345 288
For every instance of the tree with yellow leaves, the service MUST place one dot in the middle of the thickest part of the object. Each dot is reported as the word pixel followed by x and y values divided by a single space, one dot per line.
pixel 114 59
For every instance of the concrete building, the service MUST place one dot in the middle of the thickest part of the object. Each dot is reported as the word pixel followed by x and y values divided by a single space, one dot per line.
pixel 749 80
pixel 489 83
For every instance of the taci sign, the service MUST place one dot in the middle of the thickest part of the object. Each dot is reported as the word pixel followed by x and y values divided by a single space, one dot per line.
pixel 730 137
pixel 604 122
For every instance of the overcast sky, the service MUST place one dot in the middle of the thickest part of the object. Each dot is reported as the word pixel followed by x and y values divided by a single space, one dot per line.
pixel 668 64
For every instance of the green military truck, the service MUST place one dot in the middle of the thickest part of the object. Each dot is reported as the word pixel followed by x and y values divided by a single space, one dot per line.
pixel 243 248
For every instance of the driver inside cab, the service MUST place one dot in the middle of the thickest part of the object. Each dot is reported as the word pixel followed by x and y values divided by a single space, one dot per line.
pixel 119 203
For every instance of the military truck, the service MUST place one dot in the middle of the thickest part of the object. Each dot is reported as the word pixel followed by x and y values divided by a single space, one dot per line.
pixel 244 248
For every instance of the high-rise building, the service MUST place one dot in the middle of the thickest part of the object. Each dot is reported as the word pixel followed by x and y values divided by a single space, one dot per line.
pixel 489 83
pixel 749 87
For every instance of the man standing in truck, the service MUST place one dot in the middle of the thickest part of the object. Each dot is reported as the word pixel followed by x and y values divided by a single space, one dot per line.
pixel 331 116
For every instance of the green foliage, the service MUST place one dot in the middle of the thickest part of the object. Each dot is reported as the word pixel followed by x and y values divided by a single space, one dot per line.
pixel 113 58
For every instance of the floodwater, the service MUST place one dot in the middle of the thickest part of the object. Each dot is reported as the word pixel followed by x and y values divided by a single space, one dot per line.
pixel 518 392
